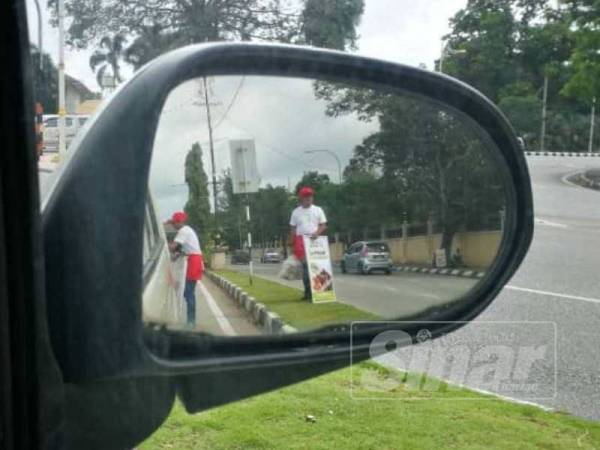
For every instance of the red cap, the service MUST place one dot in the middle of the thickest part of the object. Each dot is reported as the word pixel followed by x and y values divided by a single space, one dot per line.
pixel 179 217
pixel 306 191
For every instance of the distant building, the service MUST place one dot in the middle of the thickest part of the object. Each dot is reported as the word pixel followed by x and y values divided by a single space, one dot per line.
pixel 88 107
pixel 75 94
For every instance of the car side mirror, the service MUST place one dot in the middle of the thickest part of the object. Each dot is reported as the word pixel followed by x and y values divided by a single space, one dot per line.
pixel 94 224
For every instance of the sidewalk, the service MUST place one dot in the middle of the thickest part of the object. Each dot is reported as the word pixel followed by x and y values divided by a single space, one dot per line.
pixel 48 162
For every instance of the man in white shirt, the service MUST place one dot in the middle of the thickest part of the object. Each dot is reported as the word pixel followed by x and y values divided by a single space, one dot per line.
pixel 186 241
pixel 306 220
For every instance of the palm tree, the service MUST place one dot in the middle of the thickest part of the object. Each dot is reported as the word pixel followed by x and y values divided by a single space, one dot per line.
pixel 108 55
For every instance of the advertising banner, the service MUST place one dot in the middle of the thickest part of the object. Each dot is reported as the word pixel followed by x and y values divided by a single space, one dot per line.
pixel 244 170
pixel 319 269
pixel 440 258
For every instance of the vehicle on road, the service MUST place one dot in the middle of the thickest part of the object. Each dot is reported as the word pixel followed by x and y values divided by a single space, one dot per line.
pixel 240 257
pixel 366 257
pixel 73 123
pixel 270 255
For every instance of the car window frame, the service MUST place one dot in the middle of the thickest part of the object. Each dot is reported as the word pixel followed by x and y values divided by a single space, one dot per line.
pixel 153 243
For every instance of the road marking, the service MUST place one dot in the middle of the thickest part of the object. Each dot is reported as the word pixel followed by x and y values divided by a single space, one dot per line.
pixel 216 311
pixel 395 290
pixel 549 224
pixel 505 397
pixel 554 294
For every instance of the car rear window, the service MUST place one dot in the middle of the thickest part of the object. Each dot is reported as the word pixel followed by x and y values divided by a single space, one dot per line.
pixel 377 247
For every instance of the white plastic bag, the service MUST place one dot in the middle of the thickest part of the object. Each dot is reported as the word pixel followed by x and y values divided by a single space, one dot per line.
pixel 291 269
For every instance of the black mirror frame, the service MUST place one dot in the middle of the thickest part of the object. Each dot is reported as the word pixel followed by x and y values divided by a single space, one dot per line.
pixel 96 330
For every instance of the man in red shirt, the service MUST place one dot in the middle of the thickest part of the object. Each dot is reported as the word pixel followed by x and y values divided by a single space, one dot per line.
pixel 186 241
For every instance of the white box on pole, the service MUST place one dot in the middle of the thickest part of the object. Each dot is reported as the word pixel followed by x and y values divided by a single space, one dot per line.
pixel 244 171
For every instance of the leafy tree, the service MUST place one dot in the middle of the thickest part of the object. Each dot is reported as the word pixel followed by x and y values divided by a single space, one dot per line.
pixel 108 55
pixel 525 114
pixel 197 206
pixel 156 26
pixel 585 59
pixel 544 49
pixel 486 32
pixel 270 212
pixel 569 129
pixel 511 46
pixel 232 217
pixel 314 180
pixel 422 162
pixel 45 81
pixel 332 23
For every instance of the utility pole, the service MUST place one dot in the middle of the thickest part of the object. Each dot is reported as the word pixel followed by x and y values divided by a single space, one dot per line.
pixel 592 120
pixel 62 145
pixel 544 114
pixel 207 104
pixel 39 16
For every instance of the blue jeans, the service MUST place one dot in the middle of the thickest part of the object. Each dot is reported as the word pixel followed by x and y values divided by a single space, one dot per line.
pixel 189 293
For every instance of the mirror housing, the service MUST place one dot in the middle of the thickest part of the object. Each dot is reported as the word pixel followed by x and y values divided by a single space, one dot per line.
pixel 93 220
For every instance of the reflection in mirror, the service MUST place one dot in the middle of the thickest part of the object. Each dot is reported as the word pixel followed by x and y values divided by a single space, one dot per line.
pixel 322 203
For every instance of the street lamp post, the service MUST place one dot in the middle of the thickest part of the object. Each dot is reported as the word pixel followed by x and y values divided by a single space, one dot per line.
pixel 544 114
pixel 592 120
pixel 337 159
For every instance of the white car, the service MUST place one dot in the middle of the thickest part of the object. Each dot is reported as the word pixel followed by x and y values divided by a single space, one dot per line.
pixel 73 123
pixel 270 255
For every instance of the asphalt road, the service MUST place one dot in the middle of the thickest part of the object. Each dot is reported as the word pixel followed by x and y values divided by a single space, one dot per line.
pixel 388 296
pixel 558 282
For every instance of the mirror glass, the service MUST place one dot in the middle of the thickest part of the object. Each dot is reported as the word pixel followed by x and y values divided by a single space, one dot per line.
pixel 280 205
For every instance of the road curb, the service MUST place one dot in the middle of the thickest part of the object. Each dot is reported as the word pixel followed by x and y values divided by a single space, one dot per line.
pixel 582 180
pixel 462 272
pixel 269 322
pixel 578 154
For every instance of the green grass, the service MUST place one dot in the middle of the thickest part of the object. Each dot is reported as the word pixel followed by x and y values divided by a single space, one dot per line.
pixel 457 419
pixel 287 302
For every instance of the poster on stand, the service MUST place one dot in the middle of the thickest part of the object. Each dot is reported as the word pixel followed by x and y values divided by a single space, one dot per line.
pixel 319 269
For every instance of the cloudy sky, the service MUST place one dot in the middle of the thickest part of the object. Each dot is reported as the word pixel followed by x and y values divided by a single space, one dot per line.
pixel 405 31
pixel 280 115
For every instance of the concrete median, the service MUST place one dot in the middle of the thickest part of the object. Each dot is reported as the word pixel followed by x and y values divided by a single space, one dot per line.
pixel 267 321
